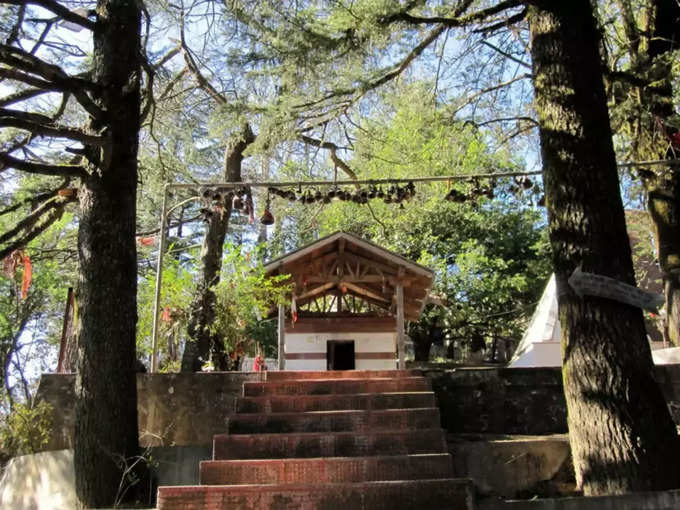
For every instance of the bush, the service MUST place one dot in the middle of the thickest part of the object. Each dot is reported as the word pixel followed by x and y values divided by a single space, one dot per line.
pixel 26 429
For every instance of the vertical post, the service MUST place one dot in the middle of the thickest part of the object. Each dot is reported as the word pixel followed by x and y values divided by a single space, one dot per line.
pixel 282 337
pixel 400 326
pixel 159 283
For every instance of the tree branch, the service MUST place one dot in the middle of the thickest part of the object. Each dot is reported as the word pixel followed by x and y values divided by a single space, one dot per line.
pixel 58 131
pixel 457 20
pixel 322 144
pixel 31 219
pixel 22 95
pixel 21 60
pixel 58 9
pixel 202 80
pixel 506 54
pixel 42 224
pixel 390 75
pixel 7 161
pixel 30 200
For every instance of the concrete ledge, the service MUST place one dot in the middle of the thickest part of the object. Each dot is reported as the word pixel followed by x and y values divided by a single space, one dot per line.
pixel 46 480
pixel 664 500
pixel 513 466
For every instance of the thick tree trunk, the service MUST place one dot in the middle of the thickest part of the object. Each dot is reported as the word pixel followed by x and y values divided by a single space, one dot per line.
pixel 204 345
pixel 663 187
pixel 106 436
pixel 622 435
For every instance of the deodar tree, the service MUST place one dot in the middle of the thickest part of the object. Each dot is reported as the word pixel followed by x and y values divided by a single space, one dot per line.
pixel 91 120
pixel 622 436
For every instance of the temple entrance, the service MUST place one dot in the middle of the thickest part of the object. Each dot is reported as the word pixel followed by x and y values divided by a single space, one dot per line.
pixel 340 355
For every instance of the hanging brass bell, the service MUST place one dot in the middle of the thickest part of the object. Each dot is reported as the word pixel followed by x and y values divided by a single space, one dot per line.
pixel 237 203
pixel 267 217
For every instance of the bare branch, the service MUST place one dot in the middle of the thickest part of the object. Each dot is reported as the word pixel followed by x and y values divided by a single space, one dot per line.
pixel 20 60
pixel 533 122
pixel 30 220
pixel 48 129
pixel 30 200
pixel 491 89
pixel 16 28
pixel 34 167
pixel 202 80
pixel 42 223
pixel 503 23
pixel 22 95
pixel 58 9
pixel 457 20
pixel 322 144
pixel 506 54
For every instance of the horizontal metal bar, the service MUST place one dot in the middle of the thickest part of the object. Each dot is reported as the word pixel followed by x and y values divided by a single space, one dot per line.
pixel 442 178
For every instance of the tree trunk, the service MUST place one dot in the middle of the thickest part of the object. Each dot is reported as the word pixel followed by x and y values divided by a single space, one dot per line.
pixel 106 436
pixel 621 433
pixel 663 188
pixel 203 344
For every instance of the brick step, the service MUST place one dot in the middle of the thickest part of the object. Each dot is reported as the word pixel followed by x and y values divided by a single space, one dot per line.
pixel 451 494
pixel 326 470
pixel 333 387
pixel 328 444
pixel 287 375
pixel 303 403
pixel 334 421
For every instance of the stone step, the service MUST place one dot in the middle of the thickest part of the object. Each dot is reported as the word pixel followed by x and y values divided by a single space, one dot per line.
pixel 451 494
pixel 287 375
pixel 328 444
pixel 334 421
pixel 304 403
pixel 333 387
pixel 326 470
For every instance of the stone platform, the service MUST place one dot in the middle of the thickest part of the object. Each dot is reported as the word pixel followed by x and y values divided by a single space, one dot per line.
pixel 329 440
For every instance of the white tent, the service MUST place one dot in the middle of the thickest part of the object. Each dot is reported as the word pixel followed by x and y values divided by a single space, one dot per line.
pixel 540 345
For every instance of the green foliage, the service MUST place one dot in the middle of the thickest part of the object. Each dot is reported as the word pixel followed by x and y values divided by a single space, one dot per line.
pixel 490 254
pixel 26 429
pixel 244 298
pixel 178 289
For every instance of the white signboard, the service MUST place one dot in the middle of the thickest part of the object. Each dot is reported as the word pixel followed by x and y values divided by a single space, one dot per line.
pixel 589 284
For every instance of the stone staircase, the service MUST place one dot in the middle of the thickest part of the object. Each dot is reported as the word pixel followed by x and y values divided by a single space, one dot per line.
pixel 329 440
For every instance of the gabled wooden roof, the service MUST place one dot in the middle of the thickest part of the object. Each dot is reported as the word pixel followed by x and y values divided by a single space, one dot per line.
pixel 345 263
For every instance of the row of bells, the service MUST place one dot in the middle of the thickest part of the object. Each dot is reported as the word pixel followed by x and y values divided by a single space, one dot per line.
pixel 239 199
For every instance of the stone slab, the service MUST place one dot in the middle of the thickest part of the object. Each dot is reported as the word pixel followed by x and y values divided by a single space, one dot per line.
pixel 326 470
pixel 341 386
pixel 328 444
pixel 507 466
pixel 339 374
pixel 303 403
pixel 384 495
pixel 334 421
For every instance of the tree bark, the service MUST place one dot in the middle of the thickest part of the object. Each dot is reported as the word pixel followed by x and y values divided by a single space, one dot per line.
pixel 106 435
pixel 203 344
pixel 621 433
pixel 663 188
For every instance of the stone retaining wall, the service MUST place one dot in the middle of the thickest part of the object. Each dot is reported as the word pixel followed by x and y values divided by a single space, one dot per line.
pixel 188 409
pixel 174 409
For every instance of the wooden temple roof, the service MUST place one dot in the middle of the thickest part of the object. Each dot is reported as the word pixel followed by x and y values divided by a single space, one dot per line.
pixel 343 263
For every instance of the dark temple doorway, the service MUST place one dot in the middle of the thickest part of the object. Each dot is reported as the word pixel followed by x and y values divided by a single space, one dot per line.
pixel 340 355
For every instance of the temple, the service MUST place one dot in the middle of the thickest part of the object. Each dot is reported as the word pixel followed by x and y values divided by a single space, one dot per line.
pixel 349 301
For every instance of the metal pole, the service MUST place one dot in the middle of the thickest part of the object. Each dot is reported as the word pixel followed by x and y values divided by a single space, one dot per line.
pixel 282 338
pixel 400 326
pixel 159 282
